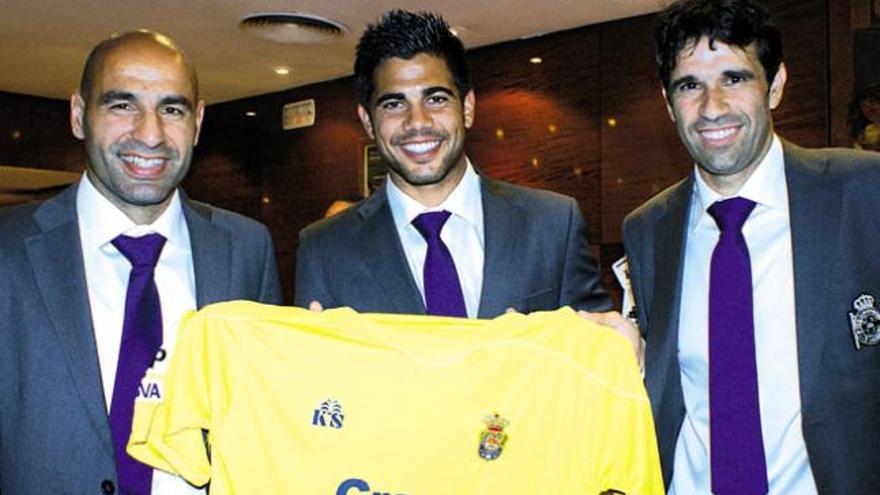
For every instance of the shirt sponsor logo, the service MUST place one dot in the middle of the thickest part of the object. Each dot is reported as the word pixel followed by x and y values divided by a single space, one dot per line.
pixel 150 389
pixel 353 486
pixel 328 414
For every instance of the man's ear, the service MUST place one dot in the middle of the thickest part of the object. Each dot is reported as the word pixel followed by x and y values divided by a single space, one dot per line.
pixel 470 102
pixel 777 87
pixel 77 112
pixel 200 114
pixel 668 105
pixel 365 121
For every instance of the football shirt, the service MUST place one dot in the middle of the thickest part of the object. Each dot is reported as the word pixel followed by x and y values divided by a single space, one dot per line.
pixel 343 403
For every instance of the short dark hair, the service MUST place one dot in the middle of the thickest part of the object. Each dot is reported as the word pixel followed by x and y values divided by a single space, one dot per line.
pixel 403 34
pixel 733 22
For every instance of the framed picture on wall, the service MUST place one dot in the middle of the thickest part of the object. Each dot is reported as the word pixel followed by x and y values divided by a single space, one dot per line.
pixel 374 169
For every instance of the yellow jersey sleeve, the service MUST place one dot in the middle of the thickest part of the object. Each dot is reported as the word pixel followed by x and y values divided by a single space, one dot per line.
pixel 167 432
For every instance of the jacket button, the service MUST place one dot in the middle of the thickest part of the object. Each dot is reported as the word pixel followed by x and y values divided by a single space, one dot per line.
pixel 107 487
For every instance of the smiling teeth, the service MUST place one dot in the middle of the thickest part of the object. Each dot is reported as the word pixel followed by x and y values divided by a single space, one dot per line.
pixel 421 147
pixel 143 162
pixel 720 134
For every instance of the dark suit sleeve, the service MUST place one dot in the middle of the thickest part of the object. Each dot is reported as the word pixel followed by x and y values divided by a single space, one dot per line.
pixel 311 282
pixel 270 285
pixel 634 261
pixel 581 281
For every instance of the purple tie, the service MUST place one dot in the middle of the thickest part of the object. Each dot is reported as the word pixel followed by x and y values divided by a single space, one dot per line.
pixel 141 339
pixel 738 465
pixel 443 295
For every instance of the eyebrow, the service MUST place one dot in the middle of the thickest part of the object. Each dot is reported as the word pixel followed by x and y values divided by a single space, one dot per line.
pixel 110 96
pixel 177 100
pixel 742 74
pixel 113 95
pixel 437 89
pixel 681 80
pixel 425 92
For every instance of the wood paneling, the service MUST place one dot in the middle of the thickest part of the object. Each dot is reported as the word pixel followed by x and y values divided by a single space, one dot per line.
pixel 35 132
pixel 641 153
pixel 538 124
pixel 588 122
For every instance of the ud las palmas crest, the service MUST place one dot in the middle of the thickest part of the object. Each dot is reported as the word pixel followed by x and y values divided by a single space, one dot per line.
pixel 865 321
pixel 493 438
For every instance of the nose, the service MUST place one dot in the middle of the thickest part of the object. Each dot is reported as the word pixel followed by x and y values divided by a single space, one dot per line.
pixel 148 129
pixel 418 118
pixel 714 104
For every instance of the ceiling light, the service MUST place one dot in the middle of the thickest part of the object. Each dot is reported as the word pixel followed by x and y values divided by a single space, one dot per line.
pixel 292 27
pixel 282 71
pixel 251 114
pixel 536 60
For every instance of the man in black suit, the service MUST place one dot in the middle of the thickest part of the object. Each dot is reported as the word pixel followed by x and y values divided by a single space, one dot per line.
pixel 810 243
pixel 512 247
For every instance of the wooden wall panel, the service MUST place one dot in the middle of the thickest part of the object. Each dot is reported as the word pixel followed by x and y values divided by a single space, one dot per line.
pixel 588 122
pixel 537 124
pixel 641 153
pixel 35 132
pixel 309 168
pixel 803 115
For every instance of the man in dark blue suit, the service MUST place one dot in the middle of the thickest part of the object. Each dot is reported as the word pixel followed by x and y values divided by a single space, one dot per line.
pixel 810 242
pixel 63 281
pixel 512 247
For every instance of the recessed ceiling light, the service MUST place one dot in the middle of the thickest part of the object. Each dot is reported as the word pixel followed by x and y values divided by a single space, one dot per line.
pixel 282 71
pixel 536 60
pixel 251 114
pixel 293 27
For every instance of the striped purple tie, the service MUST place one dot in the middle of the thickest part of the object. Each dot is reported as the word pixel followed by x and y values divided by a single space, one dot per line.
pixel 443 294
pixel 737 448
pixel 141 339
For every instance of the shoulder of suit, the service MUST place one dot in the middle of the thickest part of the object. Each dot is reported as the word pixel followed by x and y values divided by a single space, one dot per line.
pixel 222 217
pixel 526 197
pixel 660 202
pixel 837 163
pixel 18 219
pixel 339 223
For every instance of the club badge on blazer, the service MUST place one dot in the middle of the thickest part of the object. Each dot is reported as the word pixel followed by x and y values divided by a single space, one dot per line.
pixel 865 321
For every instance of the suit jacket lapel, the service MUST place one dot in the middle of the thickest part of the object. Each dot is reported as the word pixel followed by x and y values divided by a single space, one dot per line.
pixel 668 264
pixel 211 253
pixel 56 257
pixel 814 212
pixel 503 249
pixel 383 254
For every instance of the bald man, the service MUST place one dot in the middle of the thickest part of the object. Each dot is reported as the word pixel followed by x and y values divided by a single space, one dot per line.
pixel 72 304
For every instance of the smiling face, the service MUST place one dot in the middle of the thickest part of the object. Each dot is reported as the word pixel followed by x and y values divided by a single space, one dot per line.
pixel 139 124
pixel 720 103
pixel 418 121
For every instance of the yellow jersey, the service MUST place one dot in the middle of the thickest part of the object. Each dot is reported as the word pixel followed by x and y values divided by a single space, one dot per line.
pixel 344 403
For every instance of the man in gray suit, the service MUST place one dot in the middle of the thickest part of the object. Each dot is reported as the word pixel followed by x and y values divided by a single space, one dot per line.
pixel 63 281
pixel 511 247
pixel 804 347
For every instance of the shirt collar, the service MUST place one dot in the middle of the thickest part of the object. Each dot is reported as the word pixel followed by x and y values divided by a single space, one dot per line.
pixel 465 201
pixel 766 186
pixel 101 221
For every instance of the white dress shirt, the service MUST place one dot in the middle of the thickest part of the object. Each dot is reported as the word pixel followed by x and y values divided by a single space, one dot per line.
pixel 768 235
pixel 107 273
pixel 462 234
